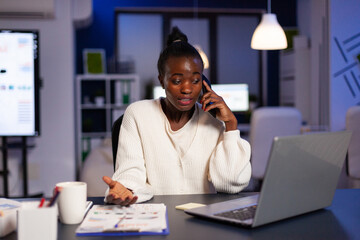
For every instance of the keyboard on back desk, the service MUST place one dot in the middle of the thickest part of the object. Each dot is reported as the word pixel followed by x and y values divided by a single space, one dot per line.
pixel 240 214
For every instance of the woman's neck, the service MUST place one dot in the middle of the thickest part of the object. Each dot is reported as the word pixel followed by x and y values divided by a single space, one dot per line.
pixel 176 118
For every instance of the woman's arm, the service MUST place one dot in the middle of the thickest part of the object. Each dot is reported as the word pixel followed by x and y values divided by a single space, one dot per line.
pixel 230 168
pixel 130 168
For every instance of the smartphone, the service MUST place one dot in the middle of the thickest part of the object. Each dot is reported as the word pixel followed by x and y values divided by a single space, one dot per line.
pixel 204 90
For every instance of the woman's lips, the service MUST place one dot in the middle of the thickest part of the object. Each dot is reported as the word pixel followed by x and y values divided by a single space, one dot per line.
pixel 185 101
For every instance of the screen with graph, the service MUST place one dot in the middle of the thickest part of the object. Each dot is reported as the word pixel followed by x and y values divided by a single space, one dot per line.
pixel 19 83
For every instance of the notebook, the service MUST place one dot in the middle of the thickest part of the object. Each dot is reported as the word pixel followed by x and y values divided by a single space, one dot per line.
pixel 301 176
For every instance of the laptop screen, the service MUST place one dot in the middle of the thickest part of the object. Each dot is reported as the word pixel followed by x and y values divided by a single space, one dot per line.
pixel 236 96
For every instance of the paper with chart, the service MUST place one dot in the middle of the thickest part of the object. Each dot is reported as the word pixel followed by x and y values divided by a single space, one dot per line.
pixel 115 218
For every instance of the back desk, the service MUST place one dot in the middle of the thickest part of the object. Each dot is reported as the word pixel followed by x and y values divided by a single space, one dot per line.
pixel 339 221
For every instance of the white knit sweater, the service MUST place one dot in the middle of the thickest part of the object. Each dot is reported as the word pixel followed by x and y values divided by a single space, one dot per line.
pixel 149 164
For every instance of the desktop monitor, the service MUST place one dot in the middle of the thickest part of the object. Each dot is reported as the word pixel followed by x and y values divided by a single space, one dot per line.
pixel 19 83
pixel 236 96
pixel 158 92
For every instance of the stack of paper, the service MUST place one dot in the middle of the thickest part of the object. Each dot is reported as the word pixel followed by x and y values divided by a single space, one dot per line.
pixel 136 219
pixel 8 211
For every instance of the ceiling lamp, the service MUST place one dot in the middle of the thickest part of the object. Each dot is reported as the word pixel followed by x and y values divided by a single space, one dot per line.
pixel 203 56
pixel 269 35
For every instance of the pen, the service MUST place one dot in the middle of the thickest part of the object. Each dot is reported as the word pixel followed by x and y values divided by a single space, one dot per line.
pixel 56 194
pixel 41 202
pixel 118 223
pixel 88 206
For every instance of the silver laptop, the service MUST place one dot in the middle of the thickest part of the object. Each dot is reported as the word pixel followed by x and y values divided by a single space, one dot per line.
pixel 301 176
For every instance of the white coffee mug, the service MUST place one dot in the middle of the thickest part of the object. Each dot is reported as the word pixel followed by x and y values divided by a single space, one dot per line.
pixel 72 202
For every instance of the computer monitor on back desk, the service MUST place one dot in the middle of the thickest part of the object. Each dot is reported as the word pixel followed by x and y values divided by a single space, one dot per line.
pixel 236 96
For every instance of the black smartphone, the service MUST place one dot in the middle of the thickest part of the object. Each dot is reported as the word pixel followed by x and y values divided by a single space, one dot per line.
pixel 204 90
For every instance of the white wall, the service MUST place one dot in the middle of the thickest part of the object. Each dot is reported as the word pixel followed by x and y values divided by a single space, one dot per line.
pixel 53 158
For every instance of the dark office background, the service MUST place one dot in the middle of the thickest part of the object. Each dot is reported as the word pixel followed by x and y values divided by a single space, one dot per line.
pixel 101 33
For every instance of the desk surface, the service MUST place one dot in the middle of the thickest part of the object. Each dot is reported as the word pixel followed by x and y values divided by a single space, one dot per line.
pixel 339 221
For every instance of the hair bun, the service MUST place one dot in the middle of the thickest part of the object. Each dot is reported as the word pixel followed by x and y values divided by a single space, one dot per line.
pixel 175 36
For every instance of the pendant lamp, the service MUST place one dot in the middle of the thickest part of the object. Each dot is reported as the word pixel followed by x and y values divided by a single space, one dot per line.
pixel 203 56
pixel 269 35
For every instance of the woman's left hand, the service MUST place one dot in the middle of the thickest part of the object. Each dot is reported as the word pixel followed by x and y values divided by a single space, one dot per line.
pixel 223 112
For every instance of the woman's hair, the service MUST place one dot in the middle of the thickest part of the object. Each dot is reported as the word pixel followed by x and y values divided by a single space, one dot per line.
pixel 176 46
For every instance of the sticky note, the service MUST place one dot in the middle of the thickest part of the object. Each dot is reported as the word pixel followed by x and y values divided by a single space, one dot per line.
pixel 189 206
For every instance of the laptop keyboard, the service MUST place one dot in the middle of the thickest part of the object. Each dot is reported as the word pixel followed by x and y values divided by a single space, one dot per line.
pixel 239 214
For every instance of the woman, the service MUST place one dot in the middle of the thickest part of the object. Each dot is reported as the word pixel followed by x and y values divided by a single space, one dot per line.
pixel 173 145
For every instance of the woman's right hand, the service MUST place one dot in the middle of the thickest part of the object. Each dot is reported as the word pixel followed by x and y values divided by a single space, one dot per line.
pixel 118 193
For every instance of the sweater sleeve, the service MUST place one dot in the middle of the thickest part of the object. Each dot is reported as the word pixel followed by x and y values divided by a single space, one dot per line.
pixel 229 168
pixel 130 165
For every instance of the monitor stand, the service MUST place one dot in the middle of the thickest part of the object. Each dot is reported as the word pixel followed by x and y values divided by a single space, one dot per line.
pixel 5 172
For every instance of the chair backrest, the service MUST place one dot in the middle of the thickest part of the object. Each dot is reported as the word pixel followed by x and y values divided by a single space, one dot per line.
pixel 266 123
pixel 353 124
pixel 115 131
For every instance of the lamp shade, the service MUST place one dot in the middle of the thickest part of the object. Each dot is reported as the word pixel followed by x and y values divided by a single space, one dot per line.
pixel 269 35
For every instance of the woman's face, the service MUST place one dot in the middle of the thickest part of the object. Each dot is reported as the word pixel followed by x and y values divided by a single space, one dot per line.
pixel 182 81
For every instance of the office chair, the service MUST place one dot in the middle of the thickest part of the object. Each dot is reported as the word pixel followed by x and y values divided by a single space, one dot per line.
pixel 115 131
pixel 353 124
pixel 98 163
pixel 266 123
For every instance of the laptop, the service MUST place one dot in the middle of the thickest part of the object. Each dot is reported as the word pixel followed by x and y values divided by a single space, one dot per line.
pixel 301 176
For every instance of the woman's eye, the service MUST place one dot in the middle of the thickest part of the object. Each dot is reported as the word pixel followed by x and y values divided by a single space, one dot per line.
pixel 176 81
pixel 196 81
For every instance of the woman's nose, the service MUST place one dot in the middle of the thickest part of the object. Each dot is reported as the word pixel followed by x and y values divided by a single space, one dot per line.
pixel 186 88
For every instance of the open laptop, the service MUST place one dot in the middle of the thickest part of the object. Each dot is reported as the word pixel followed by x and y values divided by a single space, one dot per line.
pixel 301 176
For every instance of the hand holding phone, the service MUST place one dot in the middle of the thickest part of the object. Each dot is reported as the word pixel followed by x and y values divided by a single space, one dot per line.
pixel 216 106
pixel 204 90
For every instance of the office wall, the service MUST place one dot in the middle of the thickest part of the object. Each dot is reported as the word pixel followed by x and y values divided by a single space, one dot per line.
pixel 53 158
pixel 101 33
pixel 345 59
pixel 333 29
